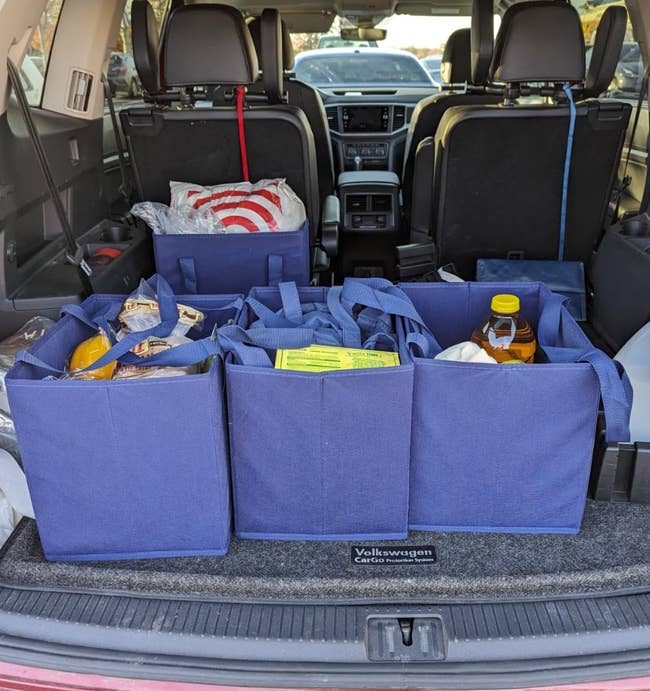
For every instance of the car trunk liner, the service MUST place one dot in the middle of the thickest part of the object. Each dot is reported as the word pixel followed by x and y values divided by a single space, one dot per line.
pixel 611 552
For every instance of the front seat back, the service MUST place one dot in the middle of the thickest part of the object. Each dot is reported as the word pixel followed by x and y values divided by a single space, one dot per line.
pixel 499 170
pixel 210 46
pixel 306 98
pixel 464 69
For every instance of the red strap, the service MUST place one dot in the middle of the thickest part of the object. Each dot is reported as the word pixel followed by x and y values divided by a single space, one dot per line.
pixel 240 90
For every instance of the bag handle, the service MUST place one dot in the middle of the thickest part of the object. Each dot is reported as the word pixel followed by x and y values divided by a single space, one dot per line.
pixel 381 296
pixel 180 356
pixel 615 387
pixel 249 347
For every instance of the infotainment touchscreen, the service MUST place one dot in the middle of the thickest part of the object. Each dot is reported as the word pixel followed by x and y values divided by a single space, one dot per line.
pixel 365 119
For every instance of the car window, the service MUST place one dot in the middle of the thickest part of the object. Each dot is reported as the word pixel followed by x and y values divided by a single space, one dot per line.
pixel 34 67
pixel 123 78
pixel 629 70
pixel 423 36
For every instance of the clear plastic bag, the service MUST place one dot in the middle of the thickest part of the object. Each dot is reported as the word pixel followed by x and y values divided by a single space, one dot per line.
pixel 28 334
pixel 166 221
pixel 140 312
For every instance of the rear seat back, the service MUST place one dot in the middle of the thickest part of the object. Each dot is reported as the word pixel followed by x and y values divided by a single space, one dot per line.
pixel 307 98
pixel 465 65
pixel 499 169
pixel 209 45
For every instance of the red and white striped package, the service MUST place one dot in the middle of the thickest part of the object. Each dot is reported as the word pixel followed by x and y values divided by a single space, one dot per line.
pixel 268 206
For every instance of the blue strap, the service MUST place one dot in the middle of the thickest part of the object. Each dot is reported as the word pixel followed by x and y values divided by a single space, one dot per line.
pixel 567 169
pixel 350 331
pixel 180 356
pixel 381 297
pixel 187 268
pixel 615 387
pixel 275 267
pixel 249 347
pixel 291 303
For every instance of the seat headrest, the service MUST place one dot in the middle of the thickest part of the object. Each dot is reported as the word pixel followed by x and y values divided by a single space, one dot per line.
pixel 207 45
pixel 288 55
pixel 455 64
pixel 482 40
pixel 146 45
pixel 271 56
pixel 539 41
pixel 606 50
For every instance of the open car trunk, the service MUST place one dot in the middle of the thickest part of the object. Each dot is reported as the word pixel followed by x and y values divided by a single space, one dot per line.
pixel 610 552
pixel 470 610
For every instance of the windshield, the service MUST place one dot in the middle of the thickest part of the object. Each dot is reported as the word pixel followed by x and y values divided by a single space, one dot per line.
pixel 325 59
pixel 359 68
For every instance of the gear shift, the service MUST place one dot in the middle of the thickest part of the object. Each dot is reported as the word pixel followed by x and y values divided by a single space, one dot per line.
pixel 358 163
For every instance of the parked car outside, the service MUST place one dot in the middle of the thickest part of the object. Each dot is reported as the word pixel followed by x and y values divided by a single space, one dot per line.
pixel 432 65
pixel 123 76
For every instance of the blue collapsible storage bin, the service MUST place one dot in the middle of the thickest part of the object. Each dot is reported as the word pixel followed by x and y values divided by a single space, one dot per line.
pixel 318 456
pixel 232 263
pixel 507 448
pixel 124 469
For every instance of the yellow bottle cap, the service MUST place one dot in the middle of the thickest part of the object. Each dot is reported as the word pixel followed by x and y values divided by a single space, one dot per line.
pixel 505 304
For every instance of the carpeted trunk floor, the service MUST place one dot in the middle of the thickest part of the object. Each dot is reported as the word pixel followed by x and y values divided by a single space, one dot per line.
pixel 611 552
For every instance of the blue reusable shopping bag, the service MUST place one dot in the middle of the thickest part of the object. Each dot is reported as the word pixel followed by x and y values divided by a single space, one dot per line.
pixel 126 469
pixel 507 448
pixel 232 263
pixel 319 456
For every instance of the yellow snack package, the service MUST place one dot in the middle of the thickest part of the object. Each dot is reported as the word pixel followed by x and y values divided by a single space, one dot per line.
pixel 90 351
pixel 317 358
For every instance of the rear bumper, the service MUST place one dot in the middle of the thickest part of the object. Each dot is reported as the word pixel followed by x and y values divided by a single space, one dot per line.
pixel 21 678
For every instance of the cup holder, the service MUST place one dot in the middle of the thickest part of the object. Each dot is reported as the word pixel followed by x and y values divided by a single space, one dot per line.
pixel 116 233
pixel 636 227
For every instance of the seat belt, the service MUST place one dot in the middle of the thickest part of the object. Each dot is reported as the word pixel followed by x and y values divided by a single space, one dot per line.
pixel 567 171
pixel 75 253
pixel 626 181
pixel 241 92
pixel 126 188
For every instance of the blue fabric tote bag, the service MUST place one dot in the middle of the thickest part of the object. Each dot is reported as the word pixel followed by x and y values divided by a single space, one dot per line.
pixel 507 448
pixel 319 456
pixel 232 263
pixel 126 469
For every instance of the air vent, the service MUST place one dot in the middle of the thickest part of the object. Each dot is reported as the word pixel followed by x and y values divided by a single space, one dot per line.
pixel 332 117
pixel 399 117
pixel 79 92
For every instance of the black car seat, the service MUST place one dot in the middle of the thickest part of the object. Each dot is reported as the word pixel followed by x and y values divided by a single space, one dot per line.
pixel 606 51
pixel 464 67
pixel 210 45
pixel 306 98
pixel 499 170
pixel 145 39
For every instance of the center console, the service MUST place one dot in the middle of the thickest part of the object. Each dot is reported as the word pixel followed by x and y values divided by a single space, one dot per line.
pixel 370 222
pixel 368 136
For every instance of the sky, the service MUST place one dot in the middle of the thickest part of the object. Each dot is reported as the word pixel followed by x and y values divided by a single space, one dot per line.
pixel 420 32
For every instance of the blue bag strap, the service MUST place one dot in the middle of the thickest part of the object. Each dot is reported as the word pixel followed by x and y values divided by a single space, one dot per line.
pixel 180 356
pixel 349 329
pixel 267 316
pixel 291 303
pixel 97 321
pixel 249 347
pixel 187 267
pixel 168 311
pixel 567 170
pixel 386 298
pixel 615 387
pixel 275 268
